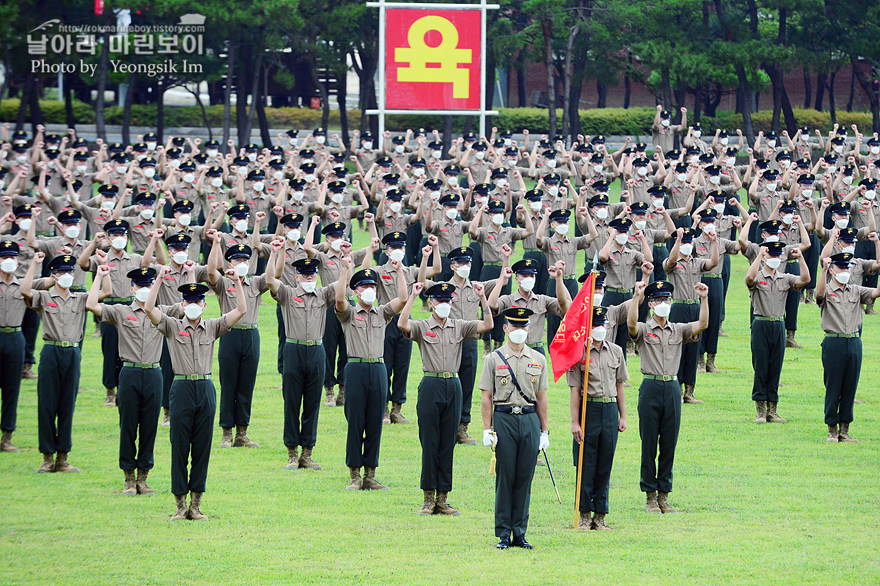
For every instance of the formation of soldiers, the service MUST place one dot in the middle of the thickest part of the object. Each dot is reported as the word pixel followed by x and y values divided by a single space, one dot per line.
pixel 159 226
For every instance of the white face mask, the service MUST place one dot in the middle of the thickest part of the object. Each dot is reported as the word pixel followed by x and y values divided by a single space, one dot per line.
pixel 870 194
pixel 698 133
pixel 193 310
pixel 875 150
pixel 435 194
pixel 119 242
pixel 184 219
pixel 598 168
pixel 72 231
pixel 258 186
pixel 241 225
pixel 554 191
pixel 9 265
pixel 452 180
pixel 665 123
pixel 211 153
pixel 715 179
pixel 640 224
pixel 241 269
pixel 598 333
pixel 398 148
pixel 724 140
pixel 320 139
pixel 773 238
pixel 481 155
pixel 842 223
pixel 771 187
pixel 535 206
pixel 662 309
pixel 773 263
pixel 597 299
pixel 336 197
pixel 511 163
pixel 81 168
pixel 149 172
pixel 527 284
pixel 418 172
pixel 368 296
pixel 309 177
pixel 709 228
pixel 147 214
pixel 731 161
pixel 518 336
pixel 719 208
pixel 693 160
pixel 451 213
pixel 771 143
pixel 838 148
pixel 643 171
pixel 682 177
pixel 807 192
pixel 788 219
pixel 686 249
pixel 395 206
pixel 294 234
pixel 179 257
pixel 602 213
pixel 121 169
pixel 216 182
pixel 842 277
pixel 561 229
pixel 189 177
pixel 107 205
pixel 297 195
pixel 24 225
pixel 497 219
pixel 368 144
pixel 309 286
pixel 241 171
pixel 442 310
pixel 463 271
pixel 336 245
pixel 621 239
pixel 65 281
pixel 142 294
pixel 832 168
pixel 501 183
pixel 396 254
pixel 20 158
pixel 436 154
pixel 551 163
pixel 847 179
pixel 252 157
pixel 850 249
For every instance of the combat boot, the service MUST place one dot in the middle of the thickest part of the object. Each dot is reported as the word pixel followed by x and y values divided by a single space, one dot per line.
pixel 226 442
pixel 61 464
pixel 869 308
pixel 599 522
pixel 370 482
pixel 651 505
pixel 462 437
pixel 428 506
pixel 48 464
pixel 761 416
pixel 701 364
pixel 292 459
pixel 396 415
pixel 689 395
pixel 441 507
pixel 27 372
pixel 166 421
pixel 663 502
pixel 810 296
pixel 6 443
pixel 790 342
pixel 130 486
pixel 832 434
pixel 110 401
pixel 585 523
pixel 180 513
pixel 141 485
pixel 195 512
pixel 340 398
pixel 305 461
pixel 356 482
pixel 241 438
pixel 772 416
pixel 710 363
pixel 844 436
pixel 330 399
pixel 386 419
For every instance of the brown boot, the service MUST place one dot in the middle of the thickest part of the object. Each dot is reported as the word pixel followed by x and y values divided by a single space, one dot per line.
pixel 396 415
pixel 292 459
pixel 844 436
pixel 27 372
pixel 386 419
pixel 180 513
pixel 790 342
pixel 487 347
pixel 48 464
pixel 710 363
pixel 226 442
pixel 428 506
pixel 141 485
pixel 241 438
pixel 599 522
pixel 761 415
pixel 701 364
pixel 195 511
pixel 651 505
pixel 6 443
pixel 832 434
pixel 689 395
pixel 330 398
pixel 305 461
pixel 772 416
pixel 166 421
pixel 869 308
pixel 130 486
pixel 462 437
pixel 356 482
pixel 110 400
pixel 496 345
pixel 663 502
pixel 722 333
pixel 62 465
pixel 370 482
pixel 340 398
pixel 441 507
pixel 585 523
pixel 810 296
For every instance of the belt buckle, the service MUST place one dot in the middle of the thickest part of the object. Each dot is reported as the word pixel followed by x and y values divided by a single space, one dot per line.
pixel 65 344
pixel 446 374
pixel 516 410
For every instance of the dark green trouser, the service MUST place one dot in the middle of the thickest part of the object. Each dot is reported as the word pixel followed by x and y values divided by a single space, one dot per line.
pixel 715 299
pixel 600 441
pixel 439 410
pixel 842 362
pixel 490 273
pixel 333 341
pixel 167 373
pixel 57 387
pixel 110 349
pixel 620 333
pixel 793 298
pixel 467 374
pixel 301 387
pixel 768 352
pixel 192 407
pixel 138 396
pixel 682 313
pixel 11 363
pixel 397 355
pixel 659 422
pixel 239 357
pixel 366 393
pixel 518 437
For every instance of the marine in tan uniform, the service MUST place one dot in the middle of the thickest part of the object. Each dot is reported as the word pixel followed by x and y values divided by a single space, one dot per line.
pixel 12 308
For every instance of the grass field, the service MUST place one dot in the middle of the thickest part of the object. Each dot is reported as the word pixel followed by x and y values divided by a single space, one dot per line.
pixel 768 503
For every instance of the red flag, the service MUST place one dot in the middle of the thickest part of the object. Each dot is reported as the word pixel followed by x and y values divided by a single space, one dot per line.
pixel 567 347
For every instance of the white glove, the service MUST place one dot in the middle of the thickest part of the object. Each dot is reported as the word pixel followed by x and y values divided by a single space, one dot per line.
pixel 489 438
pixel 544 442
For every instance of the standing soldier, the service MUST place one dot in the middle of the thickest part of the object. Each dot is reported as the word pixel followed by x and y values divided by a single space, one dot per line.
pixel 840 306
pixel 12 307
pixel 605 417
pixel 514 407
pixel 439 404
pixel 659 342
pixel 193 399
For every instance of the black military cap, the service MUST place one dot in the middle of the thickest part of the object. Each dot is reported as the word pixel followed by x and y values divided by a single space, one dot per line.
pixel 598 139
pixel 848 234
pixel 708 215
pixel 600 315
pixel 417 162
pixel 774 248
pixel 688 234
pixel 480 147
pixel 462 254
pixel 806 178
pixel 518 316
pixel 384 161
pixel 62 263
pixel 9 248
pixel 394 194
pixel 442 291
pixel 336 186
pixel 292 133
pixel 659 289
pixel 788 205
pixel 292 220
pixel 143 276
pixel 214 171
pixel 334 229
pixel 552 178
pixel 452 169
pixel 187 166
pixel 868 182
pixel 193 291
pixel 238 211
pixel 450 199
pixel 600 199
pixel 70 217
pixel 499 172
pixel 178 241
pixel 399 139
pixel 297 184
pixel 116 227
pixel 783 155
pixel 394 239
pixel 771 226
pixel 256 175
pixel 308 168
pixel 108 190
pixel 839 208
pixel 482 188
pixel 496 206
pixel 238 251
pixel 23 211
pixel 621 224
pixel 433 184
pixel 638 207
pixel 307 266
pixel 534 195
pixel 658 190
pixel 714 170
pixel 641 162
pixel 560 216
pixel 182 205
pixel 362 277
pixel 146 198
pixel 525 266
pixel 842 259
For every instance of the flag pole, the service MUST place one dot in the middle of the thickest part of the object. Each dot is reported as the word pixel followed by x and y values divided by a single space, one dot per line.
pixel 580 462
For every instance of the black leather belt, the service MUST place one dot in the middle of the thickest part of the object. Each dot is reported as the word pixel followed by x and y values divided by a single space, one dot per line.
pixel 516 410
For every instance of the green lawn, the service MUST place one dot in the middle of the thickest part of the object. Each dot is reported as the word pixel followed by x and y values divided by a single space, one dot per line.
pixel 768 503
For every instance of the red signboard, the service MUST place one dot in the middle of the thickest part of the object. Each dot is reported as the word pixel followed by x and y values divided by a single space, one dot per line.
pixel 432 59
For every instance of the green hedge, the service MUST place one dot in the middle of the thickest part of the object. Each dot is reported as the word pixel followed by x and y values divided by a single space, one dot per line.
pixel 611 121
